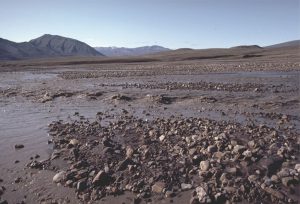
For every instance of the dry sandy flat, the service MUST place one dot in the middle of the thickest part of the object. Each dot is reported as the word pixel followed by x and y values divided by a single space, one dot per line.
pixel 238 117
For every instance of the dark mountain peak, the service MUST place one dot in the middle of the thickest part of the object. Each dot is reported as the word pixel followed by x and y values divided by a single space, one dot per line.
pixel 45 46
pixel 47 37
pixel 62 46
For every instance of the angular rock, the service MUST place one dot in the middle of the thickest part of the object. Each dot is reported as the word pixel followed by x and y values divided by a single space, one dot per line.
pixel 201 193
pixel 74 142
pixel 192 151
pixel 162 138
pixel 124 164
pixel 158 187
pixel 101 179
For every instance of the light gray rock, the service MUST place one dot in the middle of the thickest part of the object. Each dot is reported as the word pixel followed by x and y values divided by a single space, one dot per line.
pixel 297 167
pixel 204 165
pixel 201 193
pixel 74 142
pixel 239 148
pixel 59 177
pixel 158 187
pixel 186 186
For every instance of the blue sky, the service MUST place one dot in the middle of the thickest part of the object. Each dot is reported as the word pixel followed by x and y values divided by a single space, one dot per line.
pixel 170 23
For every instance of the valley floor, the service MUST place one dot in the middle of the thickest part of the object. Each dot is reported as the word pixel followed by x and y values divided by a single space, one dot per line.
pixel 167 132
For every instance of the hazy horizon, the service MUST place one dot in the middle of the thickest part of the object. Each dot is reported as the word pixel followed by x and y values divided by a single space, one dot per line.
pixel 172 24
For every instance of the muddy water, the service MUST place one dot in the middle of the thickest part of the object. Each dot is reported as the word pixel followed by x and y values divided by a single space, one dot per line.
pixel 26 123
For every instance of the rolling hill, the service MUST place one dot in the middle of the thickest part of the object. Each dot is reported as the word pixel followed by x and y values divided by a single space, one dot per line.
pixel 294 43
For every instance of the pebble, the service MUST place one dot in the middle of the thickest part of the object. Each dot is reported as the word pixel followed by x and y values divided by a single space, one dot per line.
pixel 158 187
pixel 74 142
pixel 274 178
pixel 238 148
pixel 186 186
pixel 173 153
pixel 297 167
pixel 252 178
pixel 247 153
pixel 59 177
pixel 232 170
pixel 129 152
pixel 201 193
pixel 19 146
pixel 169 194
pixel 162 138
pixel 81 185
pixel 101 179
pixel 251 144
pixel 212 148
pixel 204 165
pixel 18 180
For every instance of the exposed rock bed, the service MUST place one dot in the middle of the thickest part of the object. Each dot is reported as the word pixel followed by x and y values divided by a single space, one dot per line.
pixel 177 68
pixel 220 161
pixel 208 86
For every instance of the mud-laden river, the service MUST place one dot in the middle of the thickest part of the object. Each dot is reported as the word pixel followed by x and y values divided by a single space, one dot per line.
pixel 31 100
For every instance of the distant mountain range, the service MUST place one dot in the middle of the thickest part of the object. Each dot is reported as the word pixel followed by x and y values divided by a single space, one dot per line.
pixel 45 46
pixel 123 51
pixel 57 46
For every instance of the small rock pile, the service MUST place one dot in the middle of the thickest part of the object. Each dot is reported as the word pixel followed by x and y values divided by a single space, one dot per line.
pixel 217 161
